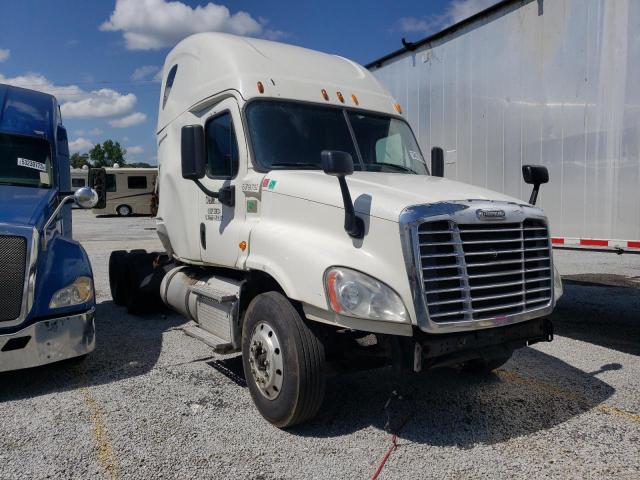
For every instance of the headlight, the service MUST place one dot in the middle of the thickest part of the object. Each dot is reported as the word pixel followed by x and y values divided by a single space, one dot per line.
pixel 80 291
pixel 557 284
pixel 355 294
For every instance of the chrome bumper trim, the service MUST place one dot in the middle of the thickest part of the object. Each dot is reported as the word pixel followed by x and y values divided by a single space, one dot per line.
pixel 49 341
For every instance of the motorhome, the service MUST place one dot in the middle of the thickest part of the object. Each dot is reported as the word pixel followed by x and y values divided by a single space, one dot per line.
pixel 79 178
pixel 303 228
pixel 47 299
pixel 129 191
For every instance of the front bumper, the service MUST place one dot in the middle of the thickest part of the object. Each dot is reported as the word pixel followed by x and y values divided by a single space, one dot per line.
pixel 48 341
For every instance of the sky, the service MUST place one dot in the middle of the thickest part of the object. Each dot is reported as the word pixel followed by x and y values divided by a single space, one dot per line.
pixel 102 59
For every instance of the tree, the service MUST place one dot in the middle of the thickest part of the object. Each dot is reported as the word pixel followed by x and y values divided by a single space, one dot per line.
pixel 107 153
pixel 139 165
pixel 79 160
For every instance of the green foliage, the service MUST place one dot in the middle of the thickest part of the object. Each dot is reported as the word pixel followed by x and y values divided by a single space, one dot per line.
pixel 107 153
pixel 79 160
pixel 139 165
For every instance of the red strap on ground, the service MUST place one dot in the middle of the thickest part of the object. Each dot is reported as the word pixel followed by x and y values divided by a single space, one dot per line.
pixel 393 446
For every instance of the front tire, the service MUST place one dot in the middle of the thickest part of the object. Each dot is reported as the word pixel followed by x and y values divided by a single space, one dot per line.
pixel 124 210
pixel 117 261
pixel 283 361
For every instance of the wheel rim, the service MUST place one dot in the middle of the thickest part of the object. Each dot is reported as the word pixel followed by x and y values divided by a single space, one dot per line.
pixel 124 211
pixel 265 359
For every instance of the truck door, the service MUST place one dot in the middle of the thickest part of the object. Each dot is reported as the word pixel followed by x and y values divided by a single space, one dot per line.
pixel 226 163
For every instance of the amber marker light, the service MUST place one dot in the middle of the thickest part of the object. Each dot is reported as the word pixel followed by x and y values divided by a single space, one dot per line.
pixel 243 245
pixel 260 87
pixel 354 99
pixel 340 97
pixel 398 108
pixel 324 93
pixel 333 296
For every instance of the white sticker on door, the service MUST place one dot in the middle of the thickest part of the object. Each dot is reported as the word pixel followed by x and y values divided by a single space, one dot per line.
pixel 25 162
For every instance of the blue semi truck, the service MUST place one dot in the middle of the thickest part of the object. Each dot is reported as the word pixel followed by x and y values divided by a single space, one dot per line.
pixel 47 300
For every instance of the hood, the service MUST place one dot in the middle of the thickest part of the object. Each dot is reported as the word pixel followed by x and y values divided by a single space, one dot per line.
pixel 23 205
pixel 382 195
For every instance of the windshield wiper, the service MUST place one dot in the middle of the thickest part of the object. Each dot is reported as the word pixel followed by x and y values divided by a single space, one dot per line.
pixel 399 167
pixel 301 166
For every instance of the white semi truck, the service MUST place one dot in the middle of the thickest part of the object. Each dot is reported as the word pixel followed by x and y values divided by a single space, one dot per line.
pixel 298 216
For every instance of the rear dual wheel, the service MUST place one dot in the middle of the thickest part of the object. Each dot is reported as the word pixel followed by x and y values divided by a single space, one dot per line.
pixel 127 270
pixel 283 361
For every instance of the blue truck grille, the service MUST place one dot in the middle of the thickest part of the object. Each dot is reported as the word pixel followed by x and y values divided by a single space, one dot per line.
pixel 13 259
pixel 485 271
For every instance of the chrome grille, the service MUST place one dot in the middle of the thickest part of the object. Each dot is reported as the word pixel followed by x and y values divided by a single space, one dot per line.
pixel 13 255
pixel 481 271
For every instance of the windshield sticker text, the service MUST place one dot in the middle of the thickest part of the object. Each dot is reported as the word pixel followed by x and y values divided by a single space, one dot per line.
pixel 25 162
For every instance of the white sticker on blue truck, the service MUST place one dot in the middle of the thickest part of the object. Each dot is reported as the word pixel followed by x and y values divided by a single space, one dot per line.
pixel 25 162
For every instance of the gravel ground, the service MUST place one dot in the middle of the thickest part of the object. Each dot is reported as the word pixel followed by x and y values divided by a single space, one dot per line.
pixel 151 402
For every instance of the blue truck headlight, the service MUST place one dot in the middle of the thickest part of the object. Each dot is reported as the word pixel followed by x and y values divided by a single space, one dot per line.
pixel 80 291
pixel 355 294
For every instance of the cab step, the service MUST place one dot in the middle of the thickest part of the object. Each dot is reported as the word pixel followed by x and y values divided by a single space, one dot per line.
pixel 218 344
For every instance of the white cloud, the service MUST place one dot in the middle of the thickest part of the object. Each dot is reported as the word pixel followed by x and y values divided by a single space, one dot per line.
pixel 76 102
pixel 135 118
pixel 144 72
pixel 457 11
pixel 154 24
pixel 93 132
pixel 80 145
pixel 135 150
pixel 5 53
pixel 99 104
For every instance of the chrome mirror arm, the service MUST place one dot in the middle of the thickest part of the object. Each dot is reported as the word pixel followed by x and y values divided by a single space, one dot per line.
pixel 52 218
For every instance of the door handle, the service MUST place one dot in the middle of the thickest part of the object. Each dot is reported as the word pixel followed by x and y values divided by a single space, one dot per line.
pixel 203 236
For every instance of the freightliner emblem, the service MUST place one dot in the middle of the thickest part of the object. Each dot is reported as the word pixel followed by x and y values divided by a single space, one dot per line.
pixel 491 214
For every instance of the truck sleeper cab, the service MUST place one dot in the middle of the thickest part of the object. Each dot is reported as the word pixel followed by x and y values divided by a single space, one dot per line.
pixel 299 215
pixel 47 299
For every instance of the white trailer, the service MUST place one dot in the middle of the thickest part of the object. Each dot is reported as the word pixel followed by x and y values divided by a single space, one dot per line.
pixel 551 82
pixel 298 216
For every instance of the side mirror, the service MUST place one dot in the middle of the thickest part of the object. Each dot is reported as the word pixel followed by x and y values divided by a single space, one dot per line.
pixel 437 162
pixel 98 181
pixel 194 163
pixel 85 197
pixel 336 163
pixel 194 157
pixel 62 141
pixel 535 175
pixel 339 164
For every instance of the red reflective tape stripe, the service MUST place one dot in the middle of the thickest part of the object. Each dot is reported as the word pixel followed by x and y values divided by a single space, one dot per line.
pixel 592 242
pixel 635 244
pixel 559 241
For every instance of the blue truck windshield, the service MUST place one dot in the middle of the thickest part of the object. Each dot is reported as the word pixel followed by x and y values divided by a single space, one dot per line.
pixel 25 161
pixel 291 135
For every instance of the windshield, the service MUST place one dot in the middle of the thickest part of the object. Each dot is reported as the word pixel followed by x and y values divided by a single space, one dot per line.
pixel 24 161
pixel 291 135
